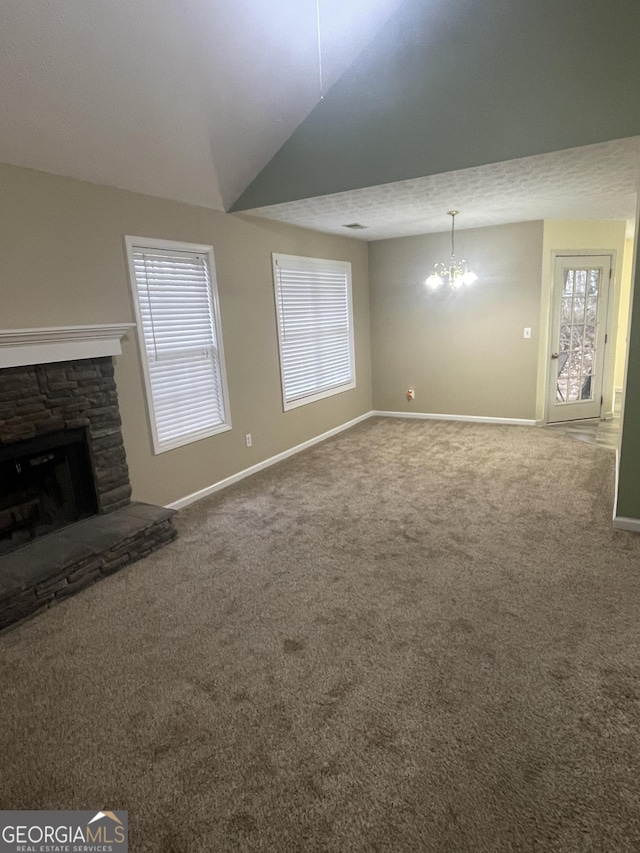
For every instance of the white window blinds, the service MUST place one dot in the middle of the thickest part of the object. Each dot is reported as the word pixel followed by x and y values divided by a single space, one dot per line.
pixel 315 327
pixel 179 331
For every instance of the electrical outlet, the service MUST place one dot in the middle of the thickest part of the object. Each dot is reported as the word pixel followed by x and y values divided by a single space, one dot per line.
pixel 527 332
pixel 411 394
pixel 247 439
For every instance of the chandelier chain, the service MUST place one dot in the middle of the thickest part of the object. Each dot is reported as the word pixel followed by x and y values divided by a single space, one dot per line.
pixel 320 80
pixel 453 222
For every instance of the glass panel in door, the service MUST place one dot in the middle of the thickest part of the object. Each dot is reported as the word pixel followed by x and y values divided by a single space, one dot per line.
pixel 581 290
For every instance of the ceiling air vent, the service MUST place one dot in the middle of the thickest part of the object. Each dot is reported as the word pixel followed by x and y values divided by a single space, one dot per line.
pixel 355 226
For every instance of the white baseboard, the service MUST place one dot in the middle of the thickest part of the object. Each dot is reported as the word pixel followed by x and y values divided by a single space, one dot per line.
pixel 272 460
pixel 266 463
pixel 619 522
pixel 473 418
pixel 630 524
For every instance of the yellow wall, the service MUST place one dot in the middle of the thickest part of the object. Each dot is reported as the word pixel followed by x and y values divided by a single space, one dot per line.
pixel 579 236
pixel 623 315
pixel 64 263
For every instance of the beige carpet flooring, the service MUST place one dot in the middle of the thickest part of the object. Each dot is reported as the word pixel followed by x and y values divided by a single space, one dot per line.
pixel 416 636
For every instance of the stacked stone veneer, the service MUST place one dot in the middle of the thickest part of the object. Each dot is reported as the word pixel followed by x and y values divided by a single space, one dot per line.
pixel 62 563
pixel 43 398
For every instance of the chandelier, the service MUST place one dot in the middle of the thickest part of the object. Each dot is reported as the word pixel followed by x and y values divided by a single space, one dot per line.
pixel 455 273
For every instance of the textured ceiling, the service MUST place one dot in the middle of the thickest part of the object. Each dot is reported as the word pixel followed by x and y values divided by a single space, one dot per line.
pixel 185 99
pixel 190 99
pixel 594 182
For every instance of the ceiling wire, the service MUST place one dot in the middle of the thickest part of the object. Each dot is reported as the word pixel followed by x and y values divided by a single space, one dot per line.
pixel 319 50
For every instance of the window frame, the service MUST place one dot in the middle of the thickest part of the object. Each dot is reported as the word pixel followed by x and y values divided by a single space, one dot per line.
pixel 312 264
pixel 132 245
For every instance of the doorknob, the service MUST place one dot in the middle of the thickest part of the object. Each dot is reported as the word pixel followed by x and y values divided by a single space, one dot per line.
pixel 555 355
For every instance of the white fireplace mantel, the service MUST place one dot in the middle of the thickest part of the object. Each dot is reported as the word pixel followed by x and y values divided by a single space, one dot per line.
pixel 19 347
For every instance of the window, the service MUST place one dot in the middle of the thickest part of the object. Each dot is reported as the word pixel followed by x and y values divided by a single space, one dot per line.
pixel 315 328
pixel 176 306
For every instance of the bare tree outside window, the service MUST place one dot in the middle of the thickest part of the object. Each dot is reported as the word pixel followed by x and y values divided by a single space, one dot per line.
pixel 577 362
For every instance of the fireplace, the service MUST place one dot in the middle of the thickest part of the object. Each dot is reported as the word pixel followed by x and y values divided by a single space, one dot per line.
pixel 45 483
pixel 66 515
pixel 43 402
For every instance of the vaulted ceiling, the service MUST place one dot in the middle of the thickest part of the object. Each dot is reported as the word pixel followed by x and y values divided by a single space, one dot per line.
pixel 504 109
pixel 185 99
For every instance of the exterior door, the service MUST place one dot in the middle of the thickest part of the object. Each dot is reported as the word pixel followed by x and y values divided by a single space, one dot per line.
pixel 578 337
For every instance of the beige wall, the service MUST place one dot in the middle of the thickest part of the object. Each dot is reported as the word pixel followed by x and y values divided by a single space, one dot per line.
pixel 463 352
pixel 623 315
pixel 579 236
pixel 63 263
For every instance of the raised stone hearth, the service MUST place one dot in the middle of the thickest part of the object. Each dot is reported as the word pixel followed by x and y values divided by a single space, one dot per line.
pixel 40 405
pixel 60 564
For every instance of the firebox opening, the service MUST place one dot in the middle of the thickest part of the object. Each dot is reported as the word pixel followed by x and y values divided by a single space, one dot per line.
pixel 45 483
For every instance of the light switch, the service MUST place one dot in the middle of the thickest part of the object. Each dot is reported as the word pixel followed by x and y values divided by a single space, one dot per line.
pixel 527 332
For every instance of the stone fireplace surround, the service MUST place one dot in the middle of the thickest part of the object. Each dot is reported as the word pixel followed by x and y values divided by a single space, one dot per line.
pixel 57 379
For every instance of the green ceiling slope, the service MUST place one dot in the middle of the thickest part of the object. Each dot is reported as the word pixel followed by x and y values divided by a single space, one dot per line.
pixel 451 84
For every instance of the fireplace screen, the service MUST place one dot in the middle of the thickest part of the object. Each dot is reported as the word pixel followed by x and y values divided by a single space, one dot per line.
pixel 45 483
